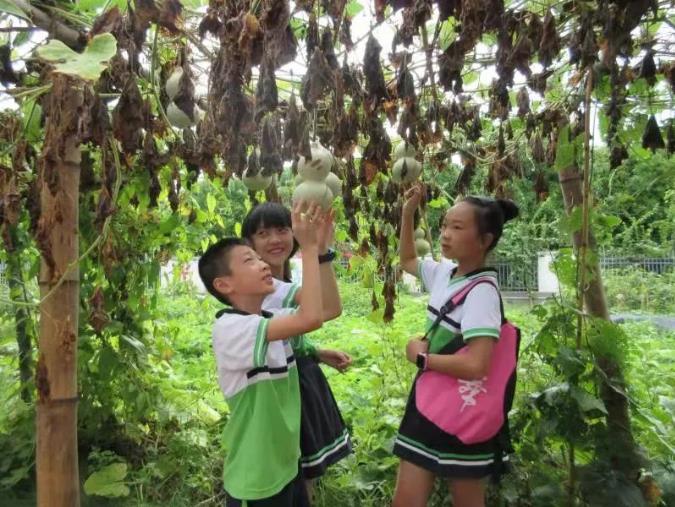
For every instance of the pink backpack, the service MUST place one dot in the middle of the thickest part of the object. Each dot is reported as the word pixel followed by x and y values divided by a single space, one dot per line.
pixel 474 411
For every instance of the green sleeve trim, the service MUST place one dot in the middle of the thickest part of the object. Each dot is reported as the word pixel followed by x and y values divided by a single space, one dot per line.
pixel 261 343
pixel 479 332
pixel 289 300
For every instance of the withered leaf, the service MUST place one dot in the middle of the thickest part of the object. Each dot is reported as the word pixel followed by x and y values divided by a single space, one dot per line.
pixel 375 86
pixel 550 42
pixel 523 101
pixel 405 85
pixel 652 138
pixel 450 65
pixel 537 148
pixel 317 81
pixel 108 22
pixel 618 154
pixel 270 156
pixel 169 16
pixel 266 98
pixel 648 68
pixel 7 74
pixel 128 118
pixel 210 23
pixel 96 124
pixel 312 37
pixel 346 34
pixel 328 49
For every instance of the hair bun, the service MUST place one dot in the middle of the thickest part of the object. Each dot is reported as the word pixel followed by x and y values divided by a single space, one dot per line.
pixel 509 209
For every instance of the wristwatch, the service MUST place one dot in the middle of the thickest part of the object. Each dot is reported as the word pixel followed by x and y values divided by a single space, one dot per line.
pixel 422 360
pixel 329 256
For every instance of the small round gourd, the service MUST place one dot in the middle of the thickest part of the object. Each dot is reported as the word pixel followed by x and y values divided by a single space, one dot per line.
pixel 403 150
pixel 419 233
pixel 313 191
pixel 318 168
pixel 256 182
pixel 334 183
pixel 177 117
pixel 172 86
pixel 406 170
pixel 422 247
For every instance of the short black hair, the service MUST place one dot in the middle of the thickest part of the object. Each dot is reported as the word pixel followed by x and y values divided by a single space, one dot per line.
pixel 491 215
pixel 269 214
pixel 215 262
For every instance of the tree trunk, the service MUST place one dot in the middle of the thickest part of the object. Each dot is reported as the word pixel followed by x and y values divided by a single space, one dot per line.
pixel 21 313
pixel 57 238
pixel 622 449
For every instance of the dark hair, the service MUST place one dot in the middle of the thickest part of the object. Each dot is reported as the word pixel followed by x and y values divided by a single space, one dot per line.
pixel 269 214
pixel 491 215
pixel 215 262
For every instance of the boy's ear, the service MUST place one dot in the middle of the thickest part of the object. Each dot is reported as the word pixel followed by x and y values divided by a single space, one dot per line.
pixel 223 285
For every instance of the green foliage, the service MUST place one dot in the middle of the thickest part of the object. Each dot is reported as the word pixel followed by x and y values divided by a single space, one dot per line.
pixel 631 289
pixel 108 481
pixel 152 403
pixel 87 65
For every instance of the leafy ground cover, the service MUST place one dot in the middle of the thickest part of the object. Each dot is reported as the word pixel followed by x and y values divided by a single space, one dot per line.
pixel 151 436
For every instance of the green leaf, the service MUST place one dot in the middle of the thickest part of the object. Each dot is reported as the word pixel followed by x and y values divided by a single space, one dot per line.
pixel 448 33
pixel 87 65
pixel 441 202
pixel 108 481
pixel 565 152
pixel 587 402
pixel 31 112
pixel 376 317
pixel 210 203
pixel 572 223
pixel 92 6
pixel 353 8
pixel 169 224
pixel 194 4
pixel 11 8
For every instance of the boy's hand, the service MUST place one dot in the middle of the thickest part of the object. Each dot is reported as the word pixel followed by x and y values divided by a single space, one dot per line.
pixel 413 196
pixel 326 232
pixel 306 220
pixel 414 347
pixel 335 359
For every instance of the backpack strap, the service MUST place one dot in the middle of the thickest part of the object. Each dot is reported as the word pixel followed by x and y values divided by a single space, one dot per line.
pixel 458 299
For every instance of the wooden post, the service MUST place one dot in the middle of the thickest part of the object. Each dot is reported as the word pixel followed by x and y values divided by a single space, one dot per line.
pixel 57 237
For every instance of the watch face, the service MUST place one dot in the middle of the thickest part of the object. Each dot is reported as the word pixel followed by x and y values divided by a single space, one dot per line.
pixel 420 361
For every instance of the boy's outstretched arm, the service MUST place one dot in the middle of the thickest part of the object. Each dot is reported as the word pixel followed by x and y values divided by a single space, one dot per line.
pixel 310 311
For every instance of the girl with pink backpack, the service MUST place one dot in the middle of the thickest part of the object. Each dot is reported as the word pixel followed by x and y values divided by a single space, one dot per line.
pixel 455 424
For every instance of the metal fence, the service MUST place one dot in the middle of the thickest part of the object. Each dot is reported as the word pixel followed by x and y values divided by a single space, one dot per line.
pixel 520 277
pixel 523 276
pixel 3 277
pixel 660 265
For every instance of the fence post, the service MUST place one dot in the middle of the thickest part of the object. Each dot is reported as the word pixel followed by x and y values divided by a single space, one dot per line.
pixel 547 281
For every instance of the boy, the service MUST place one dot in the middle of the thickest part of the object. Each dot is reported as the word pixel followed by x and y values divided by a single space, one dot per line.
pixel 256 368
